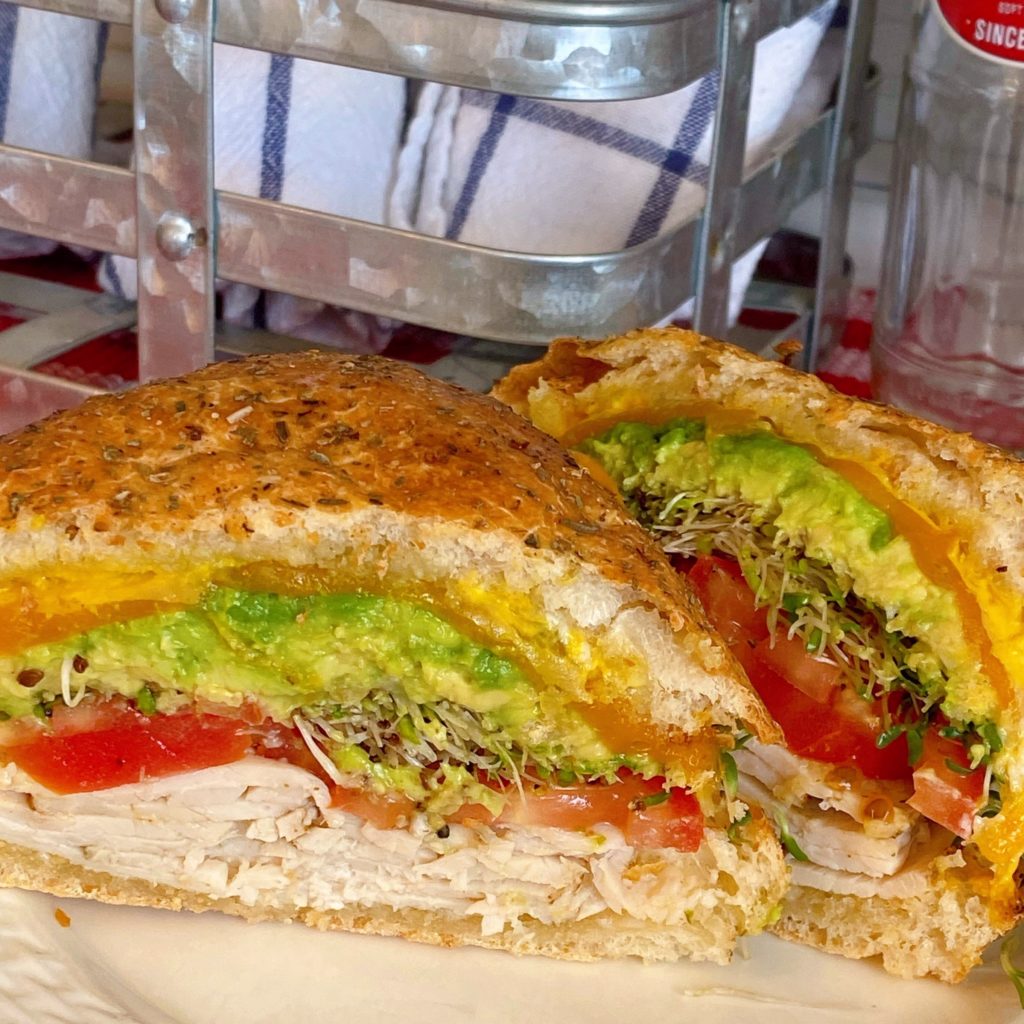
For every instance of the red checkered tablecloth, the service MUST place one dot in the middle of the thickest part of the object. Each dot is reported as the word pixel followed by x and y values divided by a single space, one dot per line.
pixel 847 366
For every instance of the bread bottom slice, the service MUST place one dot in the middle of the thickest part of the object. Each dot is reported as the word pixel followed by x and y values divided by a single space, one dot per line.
pixel 606 935
pixel 940 933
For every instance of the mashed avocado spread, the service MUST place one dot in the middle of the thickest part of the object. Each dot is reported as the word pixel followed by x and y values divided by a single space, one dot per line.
pixel 811 546
pixel 386 686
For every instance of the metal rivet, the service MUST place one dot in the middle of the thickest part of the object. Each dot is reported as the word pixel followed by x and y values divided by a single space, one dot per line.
pixel 174 11
pixel 175 236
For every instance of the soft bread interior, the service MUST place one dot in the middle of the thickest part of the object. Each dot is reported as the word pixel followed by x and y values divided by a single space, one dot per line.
pixel 259 839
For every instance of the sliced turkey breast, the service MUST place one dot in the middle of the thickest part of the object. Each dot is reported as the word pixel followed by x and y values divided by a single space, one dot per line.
pixel 874 804
pixel 263 831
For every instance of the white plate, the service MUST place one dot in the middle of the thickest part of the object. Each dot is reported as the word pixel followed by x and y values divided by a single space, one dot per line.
pixel 117 965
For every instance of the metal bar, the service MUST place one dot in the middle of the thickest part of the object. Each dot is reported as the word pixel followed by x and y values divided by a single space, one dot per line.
pixel 716 249
pixel 71 201
pixel 567 12
pixel 173 48
pixel 45 337
pixel 40 296
pixel 118 12
pixel 574 61
pixel 558 49
pixel 597 52
pixel 853 118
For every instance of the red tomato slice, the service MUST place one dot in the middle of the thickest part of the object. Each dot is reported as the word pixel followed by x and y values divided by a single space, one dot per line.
pixel 675 822
pixel 248 711
pixel 576 808
pixel 820 719
pixel 842 731
pixel 382 810
pixel 278 742
pixel 943 795
pixel 815 677
pixel 728 600
pixel 108 743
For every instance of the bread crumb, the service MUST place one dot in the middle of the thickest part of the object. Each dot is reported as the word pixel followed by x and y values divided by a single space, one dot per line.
pixel 62 919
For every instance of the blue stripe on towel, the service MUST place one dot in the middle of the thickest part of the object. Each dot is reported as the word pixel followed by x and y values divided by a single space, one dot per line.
pixel 110 268
pixel 828 15
pixel 102 34
pixel 275 127
pixel 8 32
pixel 275 144
pixel 478 166
pixel 582 126
pixel 678 162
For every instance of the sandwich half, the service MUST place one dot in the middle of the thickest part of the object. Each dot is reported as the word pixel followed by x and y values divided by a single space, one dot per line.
pixel 319 638
pixel 867 569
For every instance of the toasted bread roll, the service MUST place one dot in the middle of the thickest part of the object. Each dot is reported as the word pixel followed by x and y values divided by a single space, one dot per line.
pixel 369 652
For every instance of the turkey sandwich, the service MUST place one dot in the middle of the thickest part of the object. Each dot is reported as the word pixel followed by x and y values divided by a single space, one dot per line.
pixel 867 569
pixel 318 638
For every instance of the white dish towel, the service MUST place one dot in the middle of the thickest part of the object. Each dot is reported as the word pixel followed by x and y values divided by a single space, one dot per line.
pixel 49 67
pixel 573 178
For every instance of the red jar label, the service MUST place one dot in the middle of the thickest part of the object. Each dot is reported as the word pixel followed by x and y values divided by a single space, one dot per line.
pixel 995 27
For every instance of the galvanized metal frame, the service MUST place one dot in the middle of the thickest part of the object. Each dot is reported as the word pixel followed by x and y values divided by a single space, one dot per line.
pixel 853 113
pixel 173 134
pixel 167 213
pixel 718 241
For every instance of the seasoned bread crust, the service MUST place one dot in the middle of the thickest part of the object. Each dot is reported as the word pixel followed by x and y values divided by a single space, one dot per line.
pixel 319 458
pixel 314 431
pixel 599 937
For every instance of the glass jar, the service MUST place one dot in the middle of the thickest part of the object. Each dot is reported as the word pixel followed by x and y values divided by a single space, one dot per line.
pixel 949 327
